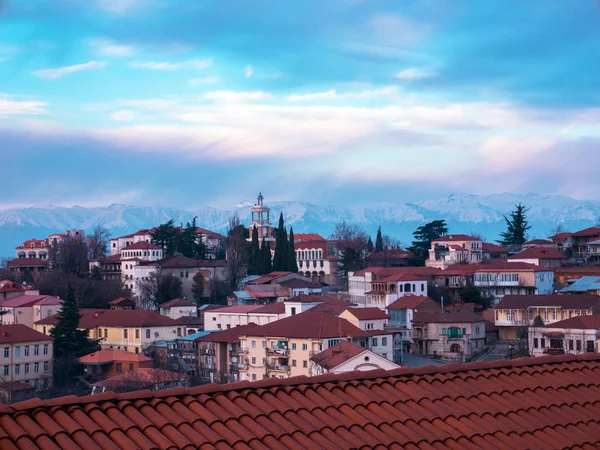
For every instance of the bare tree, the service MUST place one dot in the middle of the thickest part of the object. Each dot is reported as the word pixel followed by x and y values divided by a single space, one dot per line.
pixel 477 235
pixel 390 242
pixel 69 256
pixel 148 291
pixel 237 251
pixel 97 242
pixel 345 231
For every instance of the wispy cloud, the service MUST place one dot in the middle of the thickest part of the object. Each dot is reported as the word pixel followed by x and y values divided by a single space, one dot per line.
pixel 248 71
pixel 414 73
pixel 10 107
pixel 123 116
pixel 58 72
pixel 205 80
pixel 198 64
pixel 232 96
pixel 333 94
pixel 108 47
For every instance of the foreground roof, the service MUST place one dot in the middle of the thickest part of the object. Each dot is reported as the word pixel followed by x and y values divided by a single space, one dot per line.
pixel 547 402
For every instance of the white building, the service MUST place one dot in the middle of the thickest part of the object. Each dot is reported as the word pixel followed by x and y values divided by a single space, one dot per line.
pixel 574 336
pixel 239 315
pixel 455 249
pixel 177 308
pixel 347 357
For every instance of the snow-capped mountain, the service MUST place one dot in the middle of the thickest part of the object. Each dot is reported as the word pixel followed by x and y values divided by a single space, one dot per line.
pixel 464 214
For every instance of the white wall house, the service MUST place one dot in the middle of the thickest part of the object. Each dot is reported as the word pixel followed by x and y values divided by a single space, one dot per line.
pixel 455 249
pixel 574 336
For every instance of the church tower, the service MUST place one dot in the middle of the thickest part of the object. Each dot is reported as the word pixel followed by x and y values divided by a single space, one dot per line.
pixel 261 219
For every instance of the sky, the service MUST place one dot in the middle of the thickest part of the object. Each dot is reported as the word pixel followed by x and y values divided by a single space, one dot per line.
pixel 186 103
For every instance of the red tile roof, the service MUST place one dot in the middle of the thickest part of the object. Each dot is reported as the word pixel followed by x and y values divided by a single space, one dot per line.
pixel 37 243
pixel 317 299
pixel 455 238
pixel 308 325
pixel 230 335
pixel 108 356
pixel 334 356
pixel 448 317
pixel 592 231
pixel 560 237
pixel 92 318
pixel 24 301
pixel 16 386
pixel 121 301
pixel 301 237
pixel 334 310
pixel 141 245
pixel 415 302
pixel 15 334
pixel 496 265
pixel 564 301
pixel 539 242
pixel 27 262
pixel 268 278
pixel 176 302
pixel 382 272
pixel 141 376
pixel 180 261
pixel 266 291
pixel 368 313
pixel 236 309
pixel 271 308
pixel 493 248
pixel 538 253
pixel 190 321
pixel 534 403
pixel 578 323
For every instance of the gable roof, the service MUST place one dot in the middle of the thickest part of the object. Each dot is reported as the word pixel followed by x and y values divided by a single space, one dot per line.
pixel 584 284
pixel 488 247
pixel 235 309
pixel 24 301
pixel 456 237
pixel 592 231
pixel 176 302
pixel 142 245
pixel 121 301
pixel 564 301
pixel 301 237
pixel 308 325
pixel 27 262
pixel 270 308
pixel 538 242
pixel 108 356
pixel 578 323
pixel 414 302
pixel 229 335
pixel 544 402
pixel 14 334
pixel 447 317
pixel 539 253
pixel 560 237
pixel 92 318
pixel 339 353
pixel 367 313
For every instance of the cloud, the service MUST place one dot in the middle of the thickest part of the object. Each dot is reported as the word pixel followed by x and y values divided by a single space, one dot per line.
pixel 333 94
pixel 108 47
pixel 119 6
pixel 15 107
pixel 395 30
pixel 205 80
pixel 198 64
pixel 232 96
pixel 248 71
pixel 58 72
pixel 123 115
pixel 414 73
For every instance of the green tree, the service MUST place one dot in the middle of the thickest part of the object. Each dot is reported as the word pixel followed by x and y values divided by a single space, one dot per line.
pixel 198 288
pixel 254 254
pixel 69 341
pixel 190 243
pixel 370 245
pixel 281 247
pixel 292 263
pixel 516 227
pixel 538 321
pixel 165 236
pixel 169 287
pixel 471 294
pixel 350 261
pixel 265 257
pixel 424 236
pixel 379 241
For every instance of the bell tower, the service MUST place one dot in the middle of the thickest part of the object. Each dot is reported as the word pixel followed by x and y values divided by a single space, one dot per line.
pixel 261 219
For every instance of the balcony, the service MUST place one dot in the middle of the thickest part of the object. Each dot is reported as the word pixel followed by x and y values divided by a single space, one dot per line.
pixel 554 351
pixel 278 351
pixel 278 368
pixel 243 350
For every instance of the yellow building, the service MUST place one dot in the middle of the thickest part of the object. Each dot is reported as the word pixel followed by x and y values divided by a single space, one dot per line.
pixel 129 330
pixel 516 311
pixel 25 356
pixel 283 348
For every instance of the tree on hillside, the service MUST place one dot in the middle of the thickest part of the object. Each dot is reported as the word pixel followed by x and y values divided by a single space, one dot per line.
pixel 370 245
pixel 190 243
pixel 281 244
pixel 237 251
pixel 345 231
pixel 516 227
pixel 265 258
pixel 97 242
pixel 292 263
pixel 471 294
pixel 158 289
pixel 351 260
pixel 424 236
pixel 165 236
pixel 379 241
pixel 169 287
pixel 69 256
pixel 198 288
pixel 254 254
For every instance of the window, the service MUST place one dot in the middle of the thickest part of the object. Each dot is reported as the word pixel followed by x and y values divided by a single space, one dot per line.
pixel 253 344
pixel 6 370
pixel 454 332
pixel 476 330
pixel 578 345
pixel 254 360
pixel 253 377
pixel 17 369
pixel 264 362
pixel 26 368
pixel 124 349
pixel 293 363
pixel 304 347
pixel 554 314
pixel 510 316
pixel 36 367
pixel 125 333
pixel 443 332
pixel 293 346
pixel 374 342
pixel 137 333
pixel 106 333
pixel 383 341
pixel 26 350
pixel 137 350
pixel 293 311
pixel 36 350
pixel 119 367
pixel 305 364
pixel 570 344
pixel 179 332
pixel 536 343
pixel 6 352
pixel 148 333
pixel 264 344
pixel 590 347
pixel 455 348
pixel 543 342
pixel 130 367
pixel 46 366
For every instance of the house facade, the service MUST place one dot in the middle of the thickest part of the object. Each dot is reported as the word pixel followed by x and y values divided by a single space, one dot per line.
pixel 27 309
pixel 540 256
pixel 455 249
pixel 347 357
pixel 577 335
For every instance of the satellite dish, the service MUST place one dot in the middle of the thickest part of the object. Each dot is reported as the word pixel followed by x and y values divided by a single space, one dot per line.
pixel 233 359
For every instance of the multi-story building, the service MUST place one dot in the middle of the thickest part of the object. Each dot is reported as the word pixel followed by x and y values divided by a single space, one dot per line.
pixel 584 285
pixel 516 312
pixel 182 353
pixel 107 363
pixel 33 266
pixel 25 356
pixel 177 308
pixel 283 348
pixel 493 251
pixel 540 256
pixel 501 278
pixel 381 286
pixel 33 248
pixel 593 251
pixel 9 289
pixel 455 249
pixel 576 335
pixel 239 315
pixel 402 311
pixel 540 243
pixel 313 258
pixel 128 330
pixel 347 357
pixel 366 318
pixel 455 336
pixel 27 309
pixel 580 241
pixel 261 220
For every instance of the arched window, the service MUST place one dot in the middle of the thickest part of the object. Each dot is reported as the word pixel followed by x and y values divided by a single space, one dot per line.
pixel 455 348
pixel 407 287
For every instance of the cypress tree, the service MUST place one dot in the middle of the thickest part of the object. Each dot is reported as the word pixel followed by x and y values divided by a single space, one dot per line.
pixel 265 262
pixel 370 245
pixel 292 264
pixel 379 241
pixel 280 246
pixel 253 254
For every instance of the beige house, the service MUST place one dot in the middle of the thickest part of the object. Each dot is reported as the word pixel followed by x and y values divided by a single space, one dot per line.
pixel 455 336
pixel 27 309
pixel 25 356
pixel 178 307
pixel 239 315
pixel 347 357
pixel 518 311
pixel 576 335
pixel 454 249
pixel 540 256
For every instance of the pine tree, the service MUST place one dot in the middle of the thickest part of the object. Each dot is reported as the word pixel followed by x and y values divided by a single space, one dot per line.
pixel 379 241
pixel 68 340
pixel 292 263
pixel 253 254
pixel 370 245
pixel 265 263
pixel 279 263
pixel 516 227
pixel 165 236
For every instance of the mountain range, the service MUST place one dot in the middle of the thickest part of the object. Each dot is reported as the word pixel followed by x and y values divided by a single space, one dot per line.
pixel 464 213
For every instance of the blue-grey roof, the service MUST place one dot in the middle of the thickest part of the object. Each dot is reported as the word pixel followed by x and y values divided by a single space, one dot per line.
pixel 193 337
pixel 584 284
pixel 249 278
pixel 243 295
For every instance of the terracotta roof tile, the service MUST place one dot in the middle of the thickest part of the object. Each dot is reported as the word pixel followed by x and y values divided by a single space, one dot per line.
pixel 456 237
pixel 108 356
pixel 176 302
pixel 415 302
pixel 337 354
pixel 539 253
pixel 141 245
pixel 14 334
pixel 91 318
pixel 564 301
pixel 367 313
pixel 548 402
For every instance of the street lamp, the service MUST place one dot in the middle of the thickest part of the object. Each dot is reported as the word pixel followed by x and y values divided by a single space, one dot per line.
pixel 510 350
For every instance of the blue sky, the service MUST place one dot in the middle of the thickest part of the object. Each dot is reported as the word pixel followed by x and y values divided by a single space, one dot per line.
pixel 186 103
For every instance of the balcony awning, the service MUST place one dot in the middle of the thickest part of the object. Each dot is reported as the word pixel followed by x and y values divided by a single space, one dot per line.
pixel 553 333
